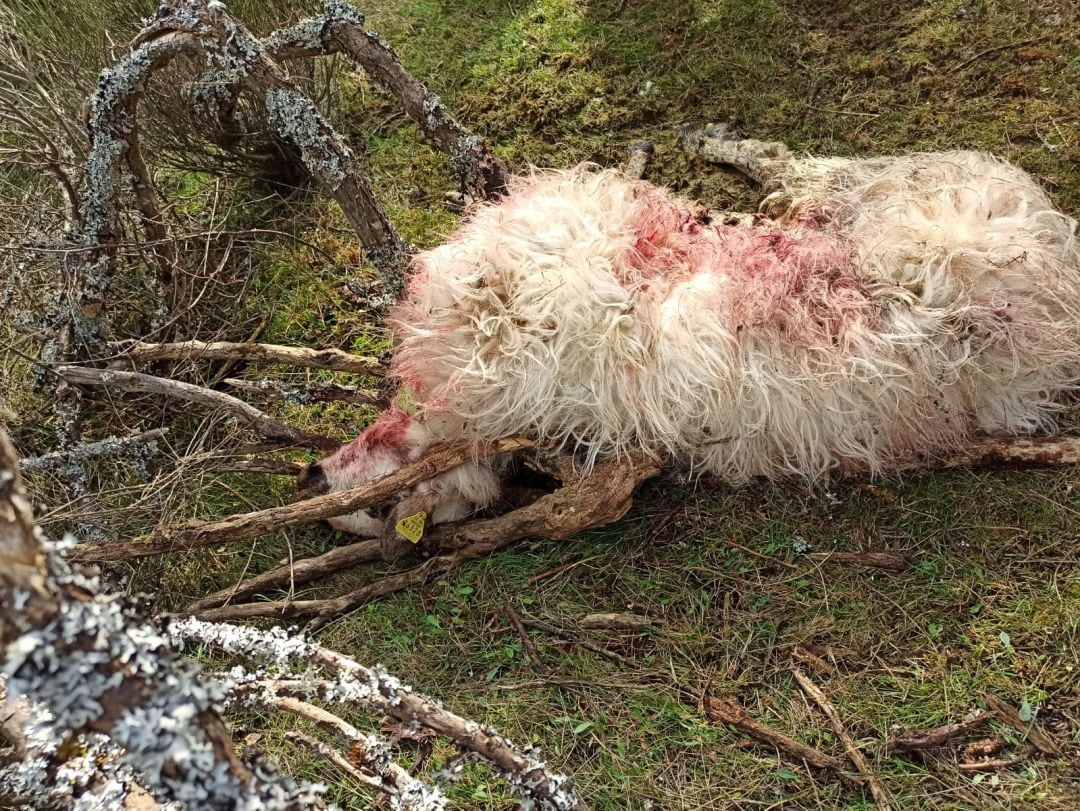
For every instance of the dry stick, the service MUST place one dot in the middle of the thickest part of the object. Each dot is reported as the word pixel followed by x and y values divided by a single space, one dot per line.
pixel 306 393
pixel 853 751
pixel 407 707
pixel 325 752
pixel 601 498
pixel 293 574
pixel 728 711
pixel 273 467
pixel 111 446
pixel 641 155
pixel 1007 714
pixel 135 381
pixel 470 157
pixel 1013 452
pixel 523 633
pixel 878 560
pixel 937 737
pixel 996 49
pixel 333 359
pixel 245 526
pixel 571 637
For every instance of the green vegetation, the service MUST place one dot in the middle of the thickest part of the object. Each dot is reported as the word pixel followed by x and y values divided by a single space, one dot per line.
pixel 992 600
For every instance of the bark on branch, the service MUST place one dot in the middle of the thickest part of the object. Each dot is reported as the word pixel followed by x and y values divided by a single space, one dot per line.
pixel 247 414
pixel 246 526
pixel 333 359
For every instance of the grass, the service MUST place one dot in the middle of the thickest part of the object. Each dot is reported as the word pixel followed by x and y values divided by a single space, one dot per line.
pixel 992 600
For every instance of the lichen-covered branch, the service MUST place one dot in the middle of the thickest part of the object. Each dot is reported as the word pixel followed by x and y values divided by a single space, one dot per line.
pixel 375 689
pixel 87 667
pixel 308 393
pixel 142 444
pixel 340 29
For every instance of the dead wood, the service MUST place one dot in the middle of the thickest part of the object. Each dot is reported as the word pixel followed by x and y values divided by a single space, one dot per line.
pixel 990 765
pixel 571 637
pixel 333 359
pixel 219 401
pixel 245 526
pixel 109 447
pixel 34 600
pixel 596 500
pixel 1008 714
pixel 293 574
pixel 306 393
pixel 342 30
pixel 640 156
pixel 273 467
pixel 615 622
pixel 523 635
pixel 1022 452
pixel 727 710
pixel 877 789
pixel 877 560
pixel 938 736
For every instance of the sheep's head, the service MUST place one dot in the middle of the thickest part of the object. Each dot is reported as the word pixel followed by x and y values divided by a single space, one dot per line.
pixel 394 440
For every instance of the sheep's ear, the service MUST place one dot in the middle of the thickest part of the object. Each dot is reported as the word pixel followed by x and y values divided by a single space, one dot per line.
pixel 405 525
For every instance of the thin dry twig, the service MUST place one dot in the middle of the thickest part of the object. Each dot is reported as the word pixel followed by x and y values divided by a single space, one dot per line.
pixel 877 789
pixel 306 393
pixel 523 634
pixel 1008 714
pixel 877 560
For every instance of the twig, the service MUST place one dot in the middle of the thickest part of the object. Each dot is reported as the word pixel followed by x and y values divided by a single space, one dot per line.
pixel 245 526
pixel 248 414
pixel 322 750
pixel 853 751
pixel 727 710
pixel 1008 714
pixel 939 736
pixel 1016 452
pixel 111 446
pixel 559 570
pixel 571 637
pixel 333 359
pixel 293 574
pixel 989 765
pixel 639 158
pixel 877 560
pixel 997 48
pixel 306 393
pixel 523 633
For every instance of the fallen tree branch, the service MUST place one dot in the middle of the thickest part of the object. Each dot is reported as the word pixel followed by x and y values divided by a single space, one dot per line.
pixel 853 751
pixel 876 560
pixel 307 393
pixel 938 736
pixel 103 448
pixel 340 29
pixel 246 526
pixel 1020 452
pixel 333 359
pixel 727 710
pixel 247 414
pixel 375 689
pixel 596 500
pixel 293 574
pixel 96 668
pixel 274 467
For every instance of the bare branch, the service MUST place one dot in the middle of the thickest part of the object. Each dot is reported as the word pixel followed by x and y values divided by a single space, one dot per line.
pixel 598 499
pixel 247 414
pixel 333 359
pixel 939 736
pixel 307 393
pixel 340 29
pixel 253 525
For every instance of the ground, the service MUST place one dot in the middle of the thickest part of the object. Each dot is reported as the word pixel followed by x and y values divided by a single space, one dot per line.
pixel 991 601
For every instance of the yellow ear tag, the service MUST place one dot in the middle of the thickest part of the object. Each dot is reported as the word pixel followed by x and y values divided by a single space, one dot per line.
pixel 411 527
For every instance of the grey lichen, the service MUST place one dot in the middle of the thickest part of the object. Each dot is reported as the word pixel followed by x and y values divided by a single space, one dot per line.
pixel 72 669
pixel 294 116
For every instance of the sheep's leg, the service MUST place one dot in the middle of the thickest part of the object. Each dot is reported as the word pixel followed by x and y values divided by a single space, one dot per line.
pixel 761 161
